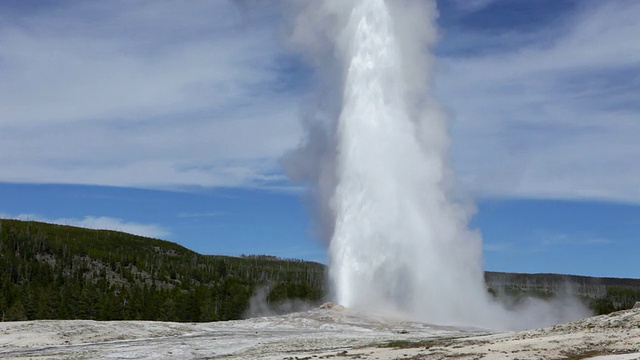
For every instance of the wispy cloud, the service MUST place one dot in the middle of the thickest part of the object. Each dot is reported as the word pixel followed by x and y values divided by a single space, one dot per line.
pixel 99 223
pixel 572 239
pixel 549 114
pixel 546 241
pixel 160 94
pixel 169 94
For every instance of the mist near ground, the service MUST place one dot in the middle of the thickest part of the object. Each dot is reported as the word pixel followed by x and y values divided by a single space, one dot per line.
pixel 260 306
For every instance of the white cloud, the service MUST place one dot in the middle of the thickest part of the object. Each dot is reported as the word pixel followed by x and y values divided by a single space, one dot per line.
pixel 99 223
pixel 556 117
pixel 145 94
pixel 166 94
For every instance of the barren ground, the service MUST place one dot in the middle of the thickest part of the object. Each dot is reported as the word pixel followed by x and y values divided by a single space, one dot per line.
pixel 335 333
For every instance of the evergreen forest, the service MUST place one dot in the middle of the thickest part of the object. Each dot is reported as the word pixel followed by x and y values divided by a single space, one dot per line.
pixel 64 272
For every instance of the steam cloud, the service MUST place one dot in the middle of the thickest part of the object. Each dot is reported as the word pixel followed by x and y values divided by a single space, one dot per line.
pixel 259 304
pixel 375 159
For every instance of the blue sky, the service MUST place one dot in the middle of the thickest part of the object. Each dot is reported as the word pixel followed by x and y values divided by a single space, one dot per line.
pixel 169 119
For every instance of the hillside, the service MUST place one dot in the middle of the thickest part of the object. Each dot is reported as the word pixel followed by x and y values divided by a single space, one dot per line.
pixel 64 272
pixel 604 295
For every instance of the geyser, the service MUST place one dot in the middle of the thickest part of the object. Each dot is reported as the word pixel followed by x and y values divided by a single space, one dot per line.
pixel 398 240
pixel 375 157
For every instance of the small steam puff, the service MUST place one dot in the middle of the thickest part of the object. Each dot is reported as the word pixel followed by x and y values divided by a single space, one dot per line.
pixel 375 159
pixel 259 304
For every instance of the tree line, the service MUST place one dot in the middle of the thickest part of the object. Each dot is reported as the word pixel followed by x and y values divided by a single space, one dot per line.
pixel 63 272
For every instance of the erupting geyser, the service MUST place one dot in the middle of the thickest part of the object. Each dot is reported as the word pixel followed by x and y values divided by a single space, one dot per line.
pixel 398 240
pixel 378 167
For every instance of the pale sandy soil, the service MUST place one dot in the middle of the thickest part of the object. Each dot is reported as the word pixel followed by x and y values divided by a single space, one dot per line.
pixel 317 334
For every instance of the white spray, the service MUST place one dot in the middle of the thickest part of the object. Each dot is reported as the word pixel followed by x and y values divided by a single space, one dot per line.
pixel 379 172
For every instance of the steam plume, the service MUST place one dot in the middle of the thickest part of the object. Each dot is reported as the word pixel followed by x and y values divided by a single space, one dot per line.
pixel 375 157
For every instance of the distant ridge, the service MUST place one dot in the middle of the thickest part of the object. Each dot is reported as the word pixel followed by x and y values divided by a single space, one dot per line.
pixel 604 295
pixel 65 272
pixel 549 279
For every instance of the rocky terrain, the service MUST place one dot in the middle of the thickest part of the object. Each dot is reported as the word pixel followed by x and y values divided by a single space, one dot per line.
pixel 329 332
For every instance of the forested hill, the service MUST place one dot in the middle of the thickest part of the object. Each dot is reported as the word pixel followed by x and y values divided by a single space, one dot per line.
pixel 63 272
pixel 604 295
